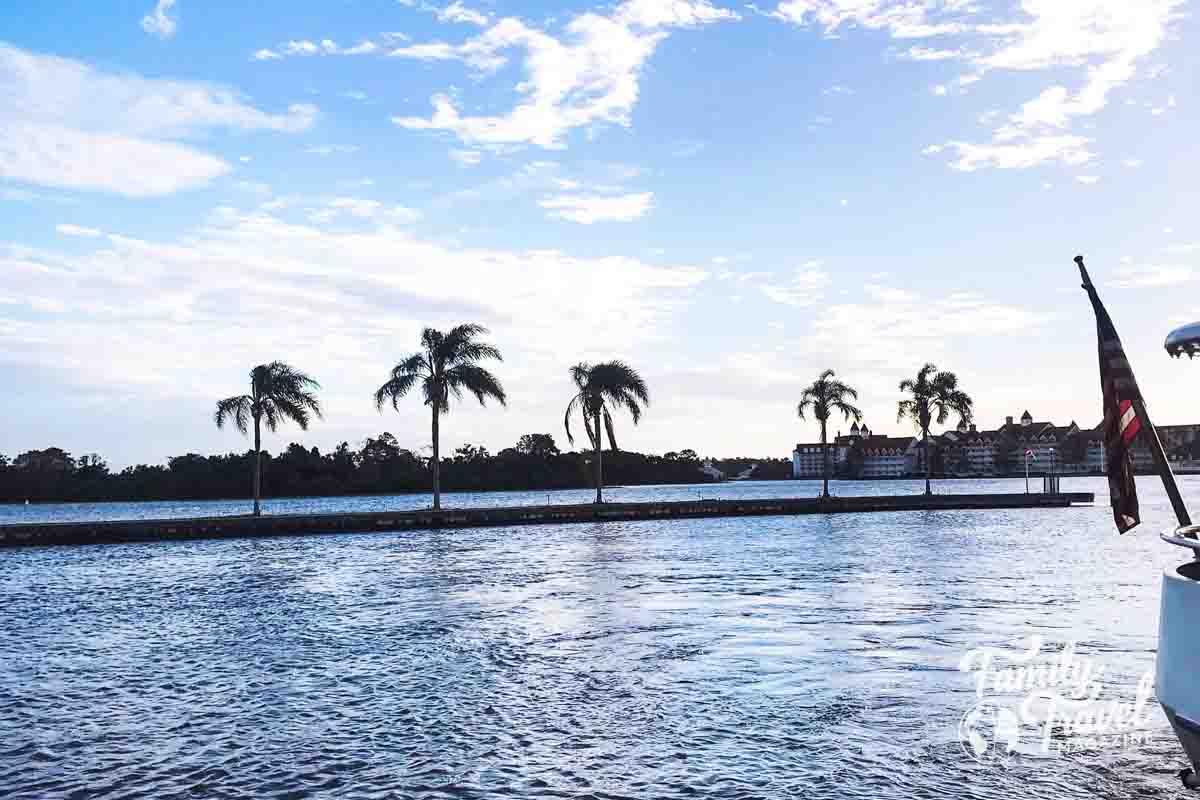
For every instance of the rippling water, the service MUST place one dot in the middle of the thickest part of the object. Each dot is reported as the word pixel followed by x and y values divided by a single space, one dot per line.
pixel 770 657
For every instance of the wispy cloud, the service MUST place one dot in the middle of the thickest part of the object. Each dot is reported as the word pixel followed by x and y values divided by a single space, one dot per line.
pixel 1105 39
pixel 457 12
pixel 159 22
pixel 66 124
pixel 803 289
pixel 68 229
pixel 588 209
pixel 307 47
pixel 1150 276
pixel 587 76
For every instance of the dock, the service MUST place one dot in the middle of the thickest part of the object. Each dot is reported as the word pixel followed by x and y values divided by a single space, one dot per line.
pixel 116 531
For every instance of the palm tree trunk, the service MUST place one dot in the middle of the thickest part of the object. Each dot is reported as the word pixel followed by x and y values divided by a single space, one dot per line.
pixel 437 465
pixel 928 464
pixel 599 460
pixel 257 466
pixel 825 459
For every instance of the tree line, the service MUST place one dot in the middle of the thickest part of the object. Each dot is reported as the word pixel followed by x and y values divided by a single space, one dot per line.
pixel 447 366
pixel 378 465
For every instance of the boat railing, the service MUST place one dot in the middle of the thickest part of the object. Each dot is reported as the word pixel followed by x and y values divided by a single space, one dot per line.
pixel 1184 536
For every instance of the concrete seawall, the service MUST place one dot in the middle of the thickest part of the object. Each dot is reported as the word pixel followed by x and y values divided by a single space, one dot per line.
pixel 286 525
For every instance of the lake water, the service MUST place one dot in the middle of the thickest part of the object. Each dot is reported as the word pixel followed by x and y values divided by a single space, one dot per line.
pixel 812 657
pixel 11 514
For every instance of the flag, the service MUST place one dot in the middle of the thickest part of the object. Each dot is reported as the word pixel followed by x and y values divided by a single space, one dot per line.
pixel 1122 422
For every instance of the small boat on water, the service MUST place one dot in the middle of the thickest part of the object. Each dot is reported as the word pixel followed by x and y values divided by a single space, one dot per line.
pixel 1177 668
pixel 1177 673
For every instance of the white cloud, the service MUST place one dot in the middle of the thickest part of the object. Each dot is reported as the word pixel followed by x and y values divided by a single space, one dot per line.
pixel 1088 179
pixel 1189 247
pixel 66 124
pixel 931 54
pixel 307 47
pixel 150 312
pixel 331 149
pixel 457 12
pixel 1104 39
pixel 885 329
pixel 1065 149
pixel 358 208
pixel 467 158
pixel 587 76
pixel 1132 163
pixel 804 289
pixel 587 209
pixel 159 22
pixel 1147 277
pixel 53 155
pixel 77 230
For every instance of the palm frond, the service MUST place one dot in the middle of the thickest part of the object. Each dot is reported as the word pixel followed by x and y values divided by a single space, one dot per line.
pixel 581 373
pixel 576 401
pixel 849 410
pixel 269 413
pixel 478 381
pixel 395 387
pixel 235 408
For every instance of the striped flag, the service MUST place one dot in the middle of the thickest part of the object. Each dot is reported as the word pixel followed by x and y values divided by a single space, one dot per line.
pixel 1122 422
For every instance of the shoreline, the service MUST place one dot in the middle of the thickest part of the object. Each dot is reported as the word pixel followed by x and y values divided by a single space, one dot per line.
pixel 119 531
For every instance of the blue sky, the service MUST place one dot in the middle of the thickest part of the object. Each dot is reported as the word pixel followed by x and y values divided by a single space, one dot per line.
pixel 730 197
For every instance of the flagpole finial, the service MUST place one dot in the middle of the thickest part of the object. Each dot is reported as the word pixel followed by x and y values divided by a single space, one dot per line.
pixel 1083 272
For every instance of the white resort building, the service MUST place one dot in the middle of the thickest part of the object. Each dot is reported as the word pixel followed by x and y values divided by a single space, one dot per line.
pixel 969 452
pixel 860 454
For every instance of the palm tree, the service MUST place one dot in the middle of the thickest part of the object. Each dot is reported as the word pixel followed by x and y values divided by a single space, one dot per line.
pixel 931 397
pixel 278 392
pixel 601 386
pixel 447 365
pixel 825 396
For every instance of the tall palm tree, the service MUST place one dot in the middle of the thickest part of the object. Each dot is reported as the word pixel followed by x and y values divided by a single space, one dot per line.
pixel 612 384
pixel 278 392
pixel 825 396
pixel 447 365
pixel 932 397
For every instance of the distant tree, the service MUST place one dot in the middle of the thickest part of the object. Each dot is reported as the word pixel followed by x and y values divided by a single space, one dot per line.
pixel 278 392
pixel 472 453
pixel 384 448
pixel 447 365
pixel 3 461
pixel 932 396
pixel 537 445
pixel 610 383
pixel 52 459
pixel 822 398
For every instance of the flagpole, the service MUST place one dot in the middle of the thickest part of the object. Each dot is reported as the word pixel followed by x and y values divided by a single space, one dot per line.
pixel 1156 448
pixel 1164 467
